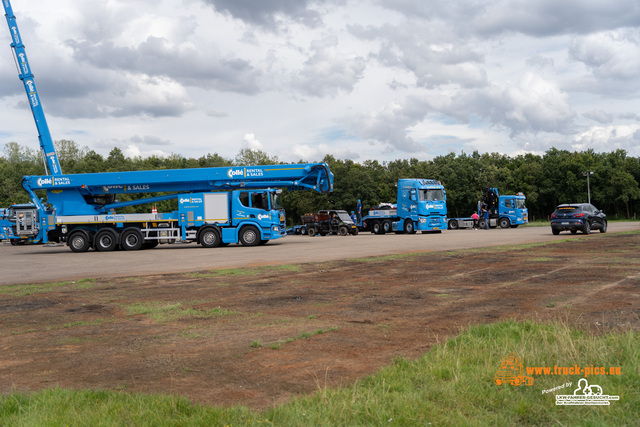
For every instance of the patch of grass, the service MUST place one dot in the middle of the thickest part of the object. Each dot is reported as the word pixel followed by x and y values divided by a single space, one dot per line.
pixel 169 311
pixel 91 323
pixel 394 257
pixel 237 272
pixel 38 288
pixel 303 335
pixel 452 384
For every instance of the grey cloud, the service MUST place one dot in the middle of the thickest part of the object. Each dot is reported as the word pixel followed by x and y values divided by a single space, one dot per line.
pixel 538 18
pixel 631 116
pixel 542 18
pixel 533 105
pixel 611 56
pixel 389 125
pixel 156 57
pixel 267 14
pixel 328 71
pixel 599 116
pixel 539 62
pixel 149 140
pixel 427 53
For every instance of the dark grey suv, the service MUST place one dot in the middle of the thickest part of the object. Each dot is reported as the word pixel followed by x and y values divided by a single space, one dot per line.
pixel 578 216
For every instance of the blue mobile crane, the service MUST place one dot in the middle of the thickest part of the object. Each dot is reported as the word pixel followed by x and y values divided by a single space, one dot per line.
pixel 216 206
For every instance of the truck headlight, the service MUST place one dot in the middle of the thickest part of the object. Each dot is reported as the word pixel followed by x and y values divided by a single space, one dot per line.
pixel 276 228
pixel 423 220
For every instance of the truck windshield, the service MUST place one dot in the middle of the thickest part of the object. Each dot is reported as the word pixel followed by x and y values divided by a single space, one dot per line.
pixel 431 195
pixel 520 204
pixel 276 201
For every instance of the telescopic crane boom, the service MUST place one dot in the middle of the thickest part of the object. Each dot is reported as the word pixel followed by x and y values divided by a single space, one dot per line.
pixel 50 158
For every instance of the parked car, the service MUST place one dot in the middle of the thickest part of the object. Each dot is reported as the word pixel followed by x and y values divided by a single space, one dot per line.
pixel 578 216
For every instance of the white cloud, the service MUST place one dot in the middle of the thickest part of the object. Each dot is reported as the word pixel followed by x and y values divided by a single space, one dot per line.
pixel 249 141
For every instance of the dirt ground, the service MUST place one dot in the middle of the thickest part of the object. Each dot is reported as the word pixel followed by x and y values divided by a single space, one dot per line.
pixel 260 336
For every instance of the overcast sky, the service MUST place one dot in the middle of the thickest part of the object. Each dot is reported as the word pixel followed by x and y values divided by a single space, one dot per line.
pixel 366 79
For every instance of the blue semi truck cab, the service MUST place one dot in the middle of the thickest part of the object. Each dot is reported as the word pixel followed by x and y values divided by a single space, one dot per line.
pixel 421 206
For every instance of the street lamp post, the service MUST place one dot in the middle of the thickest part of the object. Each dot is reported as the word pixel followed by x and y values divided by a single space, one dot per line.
pixel 587 174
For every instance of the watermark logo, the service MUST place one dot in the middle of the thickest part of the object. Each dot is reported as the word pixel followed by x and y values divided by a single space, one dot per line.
pixel 585 394
pixel 511 371
pixel 44 181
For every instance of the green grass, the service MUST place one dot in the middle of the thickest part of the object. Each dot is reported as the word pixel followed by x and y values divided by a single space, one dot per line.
pixel 169 311
pixel 38 288
pixel 450 385
pixel 246 271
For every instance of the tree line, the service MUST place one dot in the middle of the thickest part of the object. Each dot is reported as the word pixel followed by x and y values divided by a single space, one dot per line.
pixel 556 177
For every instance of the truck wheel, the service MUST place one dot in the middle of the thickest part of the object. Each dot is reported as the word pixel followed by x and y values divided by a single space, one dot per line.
pixel 453 224
pixel 376 228
pixel 355 231
pixel 482 224
pixel 409 228
pixel 343 231
pixel 131 239
pixel 386 226
pixel 249 236
pixel 311 231
pixel 105 241
pixel 505 223
pixel 79 241
pixel 209 238
pixel 303 230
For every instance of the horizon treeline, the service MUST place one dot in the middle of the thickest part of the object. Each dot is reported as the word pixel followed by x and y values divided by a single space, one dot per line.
pixel 556 177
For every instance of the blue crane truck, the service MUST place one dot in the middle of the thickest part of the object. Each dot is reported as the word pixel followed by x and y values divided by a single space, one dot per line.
pixel 421 206
pixel 504 211
pixel 216 206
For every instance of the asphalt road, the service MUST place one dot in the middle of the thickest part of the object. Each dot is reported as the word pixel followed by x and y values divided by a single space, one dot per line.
pixel 28 264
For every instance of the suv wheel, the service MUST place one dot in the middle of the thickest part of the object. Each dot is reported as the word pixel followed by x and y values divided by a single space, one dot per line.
pixel 587 227
pixel 604 226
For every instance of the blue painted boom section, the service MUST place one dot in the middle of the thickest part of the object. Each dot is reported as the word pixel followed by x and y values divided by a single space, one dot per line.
pixel 80 194
pixel 24 73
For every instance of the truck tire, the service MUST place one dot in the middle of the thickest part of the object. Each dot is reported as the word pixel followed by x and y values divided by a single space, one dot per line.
pixel 409 228
pixel 303 230
pixel 105 240
pixel 249 236
pixel 376 228
pixel 386 226
pixel 311 231
pixel 482 224
pixel 355 231
pixel 453 224
pixel 343 231
pixel 79 241
pixel 131 239
pixel 505 223
pixel 209 238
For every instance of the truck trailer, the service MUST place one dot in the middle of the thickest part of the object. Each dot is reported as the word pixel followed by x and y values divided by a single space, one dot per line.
pixel 504 211
pixel 421 206
pixel 216 206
